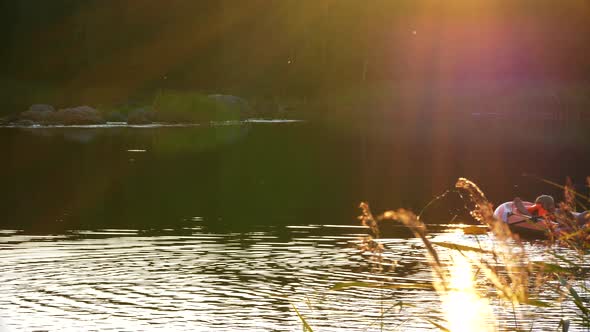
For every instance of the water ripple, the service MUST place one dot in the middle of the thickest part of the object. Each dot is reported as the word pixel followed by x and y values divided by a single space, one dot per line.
pixel 124 280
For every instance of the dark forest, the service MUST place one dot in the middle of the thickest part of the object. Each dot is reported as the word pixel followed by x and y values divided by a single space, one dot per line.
pixel 66 52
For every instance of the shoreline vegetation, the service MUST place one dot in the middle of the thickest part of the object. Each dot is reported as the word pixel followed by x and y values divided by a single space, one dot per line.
pixel 468 279
pixel 168 107
pixel 402 101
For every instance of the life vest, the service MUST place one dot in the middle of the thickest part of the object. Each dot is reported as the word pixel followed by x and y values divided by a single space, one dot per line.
pixel 537 210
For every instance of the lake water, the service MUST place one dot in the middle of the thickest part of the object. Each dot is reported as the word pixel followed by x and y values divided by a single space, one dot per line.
pixel 226 227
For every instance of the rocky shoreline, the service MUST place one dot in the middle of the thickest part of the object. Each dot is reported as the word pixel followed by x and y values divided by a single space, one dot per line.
pixel 225 108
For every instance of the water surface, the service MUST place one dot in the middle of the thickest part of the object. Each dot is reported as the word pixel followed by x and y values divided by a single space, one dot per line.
pixel 225 227
pixel 195 280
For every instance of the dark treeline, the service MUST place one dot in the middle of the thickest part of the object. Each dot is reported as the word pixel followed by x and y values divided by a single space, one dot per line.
pixel 110 51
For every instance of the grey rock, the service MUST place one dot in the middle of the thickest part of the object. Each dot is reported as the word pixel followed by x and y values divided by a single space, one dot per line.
pixel 81 115
pixel 24 123
pixel 11 118
pixel 39 113
pixel 41 108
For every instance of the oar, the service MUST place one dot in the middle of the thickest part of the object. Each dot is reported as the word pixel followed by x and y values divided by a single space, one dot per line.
pixel 527 218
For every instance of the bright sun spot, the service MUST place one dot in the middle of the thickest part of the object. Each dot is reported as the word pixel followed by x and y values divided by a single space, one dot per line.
pixel 465 310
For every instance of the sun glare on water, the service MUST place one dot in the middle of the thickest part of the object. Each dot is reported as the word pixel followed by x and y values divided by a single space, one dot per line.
pixel 464 309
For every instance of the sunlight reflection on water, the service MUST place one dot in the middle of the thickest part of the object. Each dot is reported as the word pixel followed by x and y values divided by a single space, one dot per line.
pixel 114 280
pixel 464 309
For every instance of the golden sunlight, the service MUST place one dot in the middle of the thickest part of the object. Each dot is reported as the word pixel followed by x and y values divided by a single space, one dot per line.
pixel 464 309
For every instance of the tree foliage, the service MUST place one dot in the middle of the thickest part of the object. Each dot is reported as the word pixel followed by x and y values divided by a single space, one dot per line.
pixel 110 51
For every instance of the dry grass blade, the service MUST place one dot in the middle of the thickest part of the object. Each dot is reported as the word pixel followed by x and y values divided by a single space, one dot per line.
pixel 538 303
pixel 559 186
pixel 518 268
pixel 440 327
pixel 367 220
pixel 461 247
pixel 399 304
pixel 564 324
pixel 306 326
pixel 552 268
pixel 507 266
pixel 409 219
pixel 577 299
pixel 482 209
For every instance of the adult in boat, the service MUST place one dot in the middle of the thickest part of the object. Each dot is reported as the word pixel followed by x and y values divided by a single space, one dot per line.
pixel 538 218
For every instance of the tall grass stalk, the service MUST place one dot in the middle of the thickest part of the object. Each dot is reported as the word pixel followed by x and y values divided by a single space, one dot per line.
pixel 509 273
pixel 516 278
pixel 306 326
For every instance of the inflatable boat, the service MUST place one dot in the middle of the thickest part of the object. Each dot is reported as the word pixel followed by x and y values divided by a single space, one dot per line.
pixel 524 225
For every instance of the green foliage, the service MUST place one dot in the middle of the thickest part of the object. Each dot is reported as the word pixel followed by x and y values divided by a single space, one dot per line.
pixel 190 107
pixel 291 48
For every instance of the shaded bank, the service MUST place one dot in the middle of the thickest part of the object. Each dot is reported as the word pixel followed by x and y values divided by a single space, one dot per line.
pixel 167 107
pixel 429 98
pixel 111 51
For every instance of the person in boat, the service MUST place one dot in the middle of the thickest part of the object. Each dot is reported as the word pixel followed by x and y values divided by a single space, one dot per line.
pixel 530 219
pixel 543 209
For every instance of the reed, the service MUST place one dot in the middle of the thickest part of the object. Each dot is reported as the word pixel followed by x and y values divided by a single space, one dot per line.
pixel 461 273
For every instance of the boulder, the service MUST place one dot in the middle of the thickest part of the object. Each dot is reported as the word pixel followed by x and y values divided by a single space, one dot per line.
pixel 24 123
pixel 41 108
pixel 39 113
pixel 81 115
pixel 9 119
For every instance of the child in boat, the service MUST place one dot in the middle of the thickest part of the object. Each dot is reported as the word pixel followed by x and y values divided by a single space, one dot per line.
pixel 544 208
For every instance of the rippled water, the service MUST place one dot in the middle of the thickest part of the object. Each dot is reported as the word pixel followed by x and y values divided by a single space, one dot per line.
pixel 193 280
pixel 263 192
